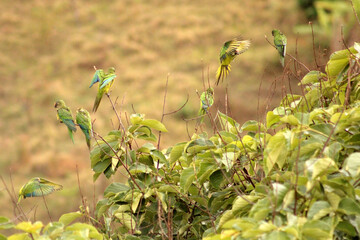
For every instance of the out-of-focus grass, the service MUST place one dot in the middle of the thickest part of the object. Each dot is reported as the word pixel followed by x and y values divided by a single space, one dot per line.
pixel 48 50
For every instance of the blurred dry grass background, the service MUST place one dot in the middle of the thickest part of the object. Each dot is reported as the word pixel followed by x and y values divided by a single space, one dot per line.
pixel 48 50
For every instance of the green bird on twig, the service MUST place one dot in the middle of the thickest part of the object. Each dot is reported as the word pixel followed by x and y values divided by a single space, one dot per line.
pixel 280 42
pixel 64 115
pixel 105 80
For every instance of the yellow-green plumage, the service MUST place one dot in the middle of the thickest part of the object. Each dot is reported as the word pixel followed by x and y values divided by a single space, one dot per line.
pixel 280 43
pixel 106 80
pixel 83 119
pixel 38 187
pixel 64 115
pixel 228 52
pixel 206 101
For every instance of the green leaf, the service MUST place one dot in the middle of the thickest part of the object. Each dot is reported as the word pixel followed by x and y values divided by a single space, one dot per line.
pixel 271 119
pixel 136 200
pixel 155 124
pixel 176 152
pixel 349 206
pixel 139 168
pixel 352 164
pixel 320 166
pixel 186 179
pixel 275 152
pixel 33 228
pixel 68 218
pixel 277 235
pixel 316 229
pixel 346 227
pixel 136 118
pixel 253 126
pixel 5 223
pixel 312 77
pixel 290 119
pixel 116 188
pixel 319 209
pixel 126 219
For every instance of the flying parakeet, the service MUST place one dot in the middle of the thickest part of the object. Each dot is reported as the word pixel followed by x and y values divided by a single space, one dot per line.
pixel 83 119
pixel 64 115
pixel 228 52
pixel 105 80
pixel 280 44
pixel 206 101
pixel 38 187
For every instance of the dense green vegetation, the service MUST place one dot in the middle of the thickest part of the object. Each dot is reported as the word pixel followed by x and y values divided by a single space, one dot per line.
pixel 294 177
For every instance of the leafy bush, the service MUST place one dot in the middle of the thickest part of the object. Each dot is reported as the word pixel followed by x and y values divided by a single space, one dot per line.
pixel 294 177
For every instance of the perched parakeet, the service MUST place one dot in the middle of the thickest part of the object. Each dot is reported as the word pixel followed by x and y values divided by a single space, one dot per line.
pixel 280 44
pixel 38 187
pixel 83 119
pixel 228 52
pixel 105 80
pixel 206 101
pixel 64 115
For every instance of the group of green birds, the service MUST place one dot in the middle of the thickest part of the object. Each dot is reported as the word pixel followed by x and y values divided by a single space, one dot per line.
pixel 37 187
pixel 83 119
pixel 228 52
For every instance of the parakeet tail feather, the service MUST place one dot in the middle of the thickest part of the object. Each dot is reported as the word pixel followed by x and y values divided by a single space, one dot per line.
pixel 96 103
pixel 221 73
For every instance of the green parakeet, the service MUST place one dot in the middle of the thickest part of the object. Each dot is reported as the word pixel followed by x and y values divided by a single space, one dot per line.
pixel 38 187
pixel 83 119
pixel 105 80
pixel 206 101
pixel 280 44
pixel 64 115
pixel 228 52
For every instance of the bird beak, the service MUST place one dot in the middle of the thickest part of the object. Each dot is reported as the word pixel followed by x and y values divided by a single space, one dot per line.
pixel 55 105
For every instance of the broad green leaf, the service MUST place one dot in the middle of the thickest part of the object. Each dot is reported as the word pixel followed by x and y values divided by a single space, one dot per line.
pixel 349 206
pixel 186 179
pixel 126 219
pixel 312 77
pixel 136 200
pixel 290 119
pixel 176 152
pixel 346 227
pixel 169 188
pixel 260 210
pixel 278 235
pixel 352 164
pixel 319 166
pixel 136 118
pixel 5 223
pixel 159 156
pixel 271 119
pixel 226 216
pixel 83 227
pixel 116 188
pixel 139 168
pixel 275 152
pixel 155 124
pixel 68 218
pixel 244 203
pixel 316 229
pixel 253 126
pixel 319 209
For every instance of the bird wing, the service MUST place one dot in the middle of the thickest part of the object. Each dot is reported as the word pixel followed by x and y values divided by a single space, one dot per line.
pixel 97 77
pixel 107 80
pixel 66 117
pixel 237 47
pixel 84 122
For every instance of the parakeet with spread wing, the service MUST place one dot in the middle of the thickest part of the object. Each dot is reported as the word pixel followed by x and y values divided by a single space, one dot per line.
pixel 280 42
pixel 105 80
pixel 64 115
pixel 38 187
pixel 228 52
pixel 206 101
pixel 83 119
